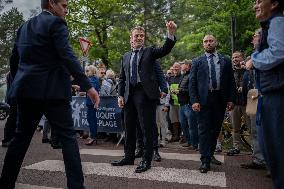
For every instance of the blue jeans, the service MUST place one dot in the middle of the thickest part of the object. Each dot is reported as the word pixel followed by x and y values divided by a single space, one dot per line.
pixel 92 120
pixel 184 121
pixel 189 124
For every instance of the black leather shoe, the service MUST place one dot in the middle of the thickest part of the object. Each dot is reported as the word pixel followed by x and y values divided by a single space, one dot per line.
pixel 156 156
pixel 204 168
pixel 253 165
pixel 45 140
pixel 143 166
pixel 233 151
pixel 215 161
pixel 56 145
pixel 122 162
pixel 139 153
pixel 5 144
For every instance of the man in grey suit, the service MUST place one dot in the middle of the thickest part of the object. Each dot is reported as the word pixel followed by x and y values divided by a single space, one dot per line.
pixel 211 90
pixel 41 64
pixel 139 93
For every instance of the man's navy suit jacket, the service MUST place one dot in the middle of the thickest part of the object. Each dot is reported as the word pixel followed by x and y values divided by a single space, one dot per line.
pixel 146 70
pixel 42 60
pixel 199 80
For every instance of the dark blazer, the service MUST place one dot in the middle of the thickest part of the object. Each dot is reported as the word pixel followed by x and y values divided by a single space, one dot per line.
pixel 147 58
pixel 199 80
pixel 42 60
pixel 162 83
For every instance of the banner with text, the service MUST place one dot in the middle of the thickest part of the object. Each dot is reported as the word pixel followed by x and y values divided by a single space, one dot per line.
pixel 108 114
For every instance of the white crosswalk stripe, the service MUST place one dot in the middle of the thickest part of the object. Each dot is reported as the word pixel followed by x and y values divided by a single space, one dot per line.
pixel 156 173
pixel 27 186
pixel 172 156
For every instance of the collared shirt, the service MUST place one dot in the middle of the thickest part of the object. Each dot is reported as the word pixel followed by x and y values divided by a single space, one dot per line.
pixel 131 59
pixel 45 10
pixel 217 70
pixel 274 55
pixel 171 37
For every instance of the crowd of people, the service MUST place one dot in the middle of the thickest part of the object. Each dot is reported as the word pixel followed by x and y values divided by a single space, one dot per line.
pixel 187 104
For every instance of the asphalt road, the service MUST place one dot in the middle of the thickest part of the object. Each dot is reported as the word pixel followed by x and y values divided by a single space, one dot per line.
pixel 43 169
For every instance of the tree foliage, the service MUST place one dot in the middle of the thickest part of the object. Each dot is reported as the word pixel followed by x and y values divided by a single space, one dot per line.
pixel 107 24
pixel 9 24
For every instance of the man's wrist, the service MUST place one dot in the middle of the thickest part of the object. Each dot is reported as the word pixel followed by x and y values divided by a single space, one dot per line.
pixel 171 36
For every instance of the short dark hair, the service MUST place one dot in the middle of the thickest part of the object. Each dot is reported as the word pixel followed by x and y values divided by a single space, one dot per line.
pixel 139 28
pixel 239 52
pixel 44 3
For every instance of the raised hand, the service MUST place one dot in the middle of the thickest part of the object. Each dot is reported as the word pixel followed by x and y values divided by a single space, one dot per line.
pixel 171 27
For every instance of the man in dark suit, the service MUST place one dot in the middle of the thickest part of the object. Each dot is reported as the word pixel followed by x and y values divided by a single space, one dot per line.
pixel 41 63
pixel 212 89
pixel 139 92
pixel 162 83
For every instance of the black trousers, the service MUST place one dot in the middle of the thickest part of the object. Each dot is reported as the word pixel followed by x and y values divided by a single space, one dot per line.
pixel 210 119
pixel 30 111
pixel 10 126
pixel 139 107
pixel 140 139
pixel 53 135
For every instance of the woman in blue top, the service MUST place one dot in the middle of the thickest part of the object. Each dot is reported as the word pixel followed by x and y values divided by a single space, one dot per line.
pixel 91 110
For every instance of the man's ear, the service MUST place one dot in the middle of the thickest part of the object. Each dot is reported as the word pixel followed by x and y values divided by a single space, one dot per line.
pixel 51 3
pixel 275 5
pixel 217 43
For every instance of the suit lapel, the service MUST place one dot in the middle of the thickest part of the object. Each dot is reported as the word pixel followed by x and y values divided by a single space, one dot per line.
pixel 141 52
pixel 205 64
pixel 222 66
pixel 127 63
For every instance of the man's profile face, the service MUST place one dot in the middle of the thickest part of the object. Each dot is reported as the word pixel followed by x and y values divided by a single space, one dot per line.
pixel 264 9
pixel 137 38
pixel 237 58
pixel 59 8
pixel 184 67
pixel 209 43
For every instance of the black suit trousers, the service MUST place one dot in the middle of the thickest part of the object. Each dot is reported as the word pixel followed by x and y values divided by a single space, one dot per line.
pixel 58 113
pixel 210 119
pixel 10 126
pixel 140 140
pixel 139 108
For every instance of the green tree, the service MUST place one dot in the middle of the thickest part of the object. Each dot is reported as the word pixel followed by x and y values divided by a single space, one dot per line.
pixel 9 24
pixel 213 16
pixel 107 24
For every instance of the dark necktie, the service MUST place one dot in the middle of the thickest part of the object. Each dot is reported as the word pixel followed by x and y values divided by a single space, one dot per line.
pixel 133 78
pixel 213 72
